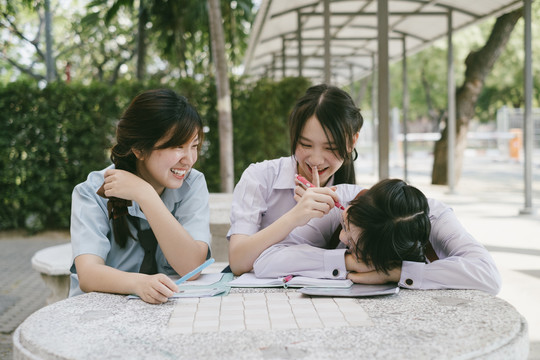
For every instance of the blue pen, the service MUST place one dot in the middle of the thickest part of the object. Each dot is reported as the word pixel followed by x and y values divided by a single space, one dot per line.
pixel 195 271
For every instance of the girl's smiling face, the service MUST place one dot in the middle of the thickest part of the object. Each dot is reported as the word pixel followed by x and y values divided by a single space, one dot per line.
pixel 168 167
pixel 315 149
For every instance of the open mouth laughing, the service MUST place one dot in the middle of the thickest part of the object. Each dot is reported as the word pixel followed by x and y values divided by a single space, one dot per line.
pixel 179 172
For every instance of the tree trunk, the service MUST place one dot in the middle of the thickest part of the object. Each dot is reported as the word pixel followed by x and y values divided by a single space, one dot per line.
pixel 49 58
pixel 181 46
pixel 478 66
pixel 141 40
pixel 224 97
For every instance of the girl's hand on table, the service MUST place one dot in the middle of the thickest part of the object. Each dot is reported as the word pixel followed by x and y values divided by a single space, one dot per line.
pixel 156 289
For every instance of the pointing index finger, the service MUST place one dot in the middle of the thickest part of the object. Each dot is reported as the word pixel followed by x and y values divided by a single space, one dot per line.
pixel 315 176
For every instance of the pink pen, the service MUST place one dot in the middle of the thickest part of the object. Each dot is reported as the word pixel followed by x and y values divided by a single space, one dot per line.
pixel 287 278
pixel 307 184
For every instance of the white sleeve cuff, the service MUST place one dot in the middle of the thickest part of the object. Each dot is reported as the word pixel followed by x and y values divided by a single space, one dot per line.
pixel 412 275
pixel 334 264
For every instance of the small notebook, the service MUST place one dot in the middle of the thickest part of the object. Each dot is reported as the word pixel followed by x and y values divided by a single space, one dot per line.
pixel 205 286
pixel 357 290
pixel 250 280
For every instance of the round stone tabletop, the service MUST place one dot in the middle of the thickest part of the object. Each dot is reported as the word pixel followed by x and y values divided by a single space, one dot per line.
pixel 277 324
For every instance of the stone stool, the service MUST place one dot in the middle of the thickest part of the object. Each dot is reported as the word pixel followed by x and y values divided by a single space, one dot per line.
pixel 53 264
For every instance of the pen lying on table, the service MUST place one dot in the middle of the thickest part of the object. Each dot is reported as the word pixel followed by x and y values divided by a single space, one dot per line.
pixel 307 184
pixel 197 270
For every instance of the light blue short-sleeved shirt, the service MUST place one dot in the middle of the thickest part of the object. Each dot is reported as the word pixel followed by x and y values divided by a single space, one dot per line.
pixel 264 193
pixel 91 229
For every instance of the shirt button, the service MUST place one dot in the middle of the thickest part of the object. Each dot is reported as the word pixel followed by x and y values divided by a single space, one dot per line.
pixel 409 282
pixel 335 272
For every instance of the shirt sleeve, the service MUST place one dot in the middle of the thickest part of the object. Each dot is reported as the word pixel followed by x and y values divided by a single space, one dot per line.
pixel 303 252
pixel 89 228
pixel 249 202
pixel 194 211
pixel 303 259
pixel 347 192
pixel 463 262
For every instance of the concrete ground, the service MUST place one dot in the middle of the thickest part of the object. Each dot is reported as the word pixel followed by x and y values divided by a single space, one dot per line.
pixel 21 289
pixel 487 199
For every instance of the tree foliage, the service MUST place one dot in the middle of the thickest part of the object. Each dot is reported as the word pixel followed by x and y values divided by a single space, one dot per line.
pixel 502 86
pixel 51 138
pixel 99 40
pixel 427 74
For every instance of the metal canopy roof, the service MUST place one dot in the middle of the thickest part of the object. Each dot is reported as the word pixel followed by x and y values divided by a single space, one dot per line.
pixel 286 30
pixel 338 41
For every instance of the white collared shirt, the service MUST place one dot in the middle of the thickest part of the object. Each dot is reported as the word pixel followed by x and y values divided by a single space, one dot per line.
pixel 264 193
pixel 303 251
pixel 463 262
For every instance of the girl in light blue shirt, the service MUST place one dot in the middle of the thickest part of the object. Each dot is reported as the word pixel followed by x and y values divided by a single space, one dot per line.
pixel 147 215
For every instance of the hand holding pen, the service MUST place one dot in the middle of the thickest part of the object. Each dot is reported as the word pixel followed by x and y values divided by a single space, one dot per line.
pixel 307 184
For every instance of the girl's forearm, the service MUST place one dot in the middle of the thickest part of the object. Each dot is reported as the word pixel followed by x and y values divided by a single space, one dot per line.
pixel 353 264
pixel 182 251
pixel 245 249
pixel 94 275
pixel 375 277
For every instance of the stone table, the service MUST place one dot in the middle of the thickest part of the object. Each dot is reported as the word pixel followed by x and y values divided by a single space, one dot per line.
pixel 412 324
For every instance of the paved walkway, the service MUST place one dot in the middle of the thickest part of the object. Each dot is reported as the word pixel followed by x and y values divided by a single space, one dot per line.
pixel 487 200
pixel 22 290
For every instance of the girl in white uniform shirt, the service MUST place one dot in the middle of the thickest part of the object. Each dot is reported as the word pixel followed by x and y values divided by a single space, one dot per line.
pixel 324 127
pixel 391 233
pixel 147 215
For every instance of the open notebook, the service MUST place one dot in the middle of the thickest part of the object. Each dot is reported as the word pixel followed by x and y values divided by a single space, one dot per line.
pixel 250 280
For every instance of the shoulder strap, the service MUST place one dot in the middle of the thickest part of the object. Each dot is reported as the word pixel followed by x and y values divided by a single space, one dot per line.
pixel 334 240
pixel 430 253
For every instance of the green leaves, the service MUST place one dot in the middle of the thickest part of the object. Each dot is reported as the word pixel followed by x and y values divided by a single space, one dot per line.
pixel 53 138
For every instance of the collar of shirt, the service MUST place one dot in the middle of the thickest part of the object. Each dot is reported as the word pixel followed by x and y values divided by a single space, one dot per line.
pixel 287 171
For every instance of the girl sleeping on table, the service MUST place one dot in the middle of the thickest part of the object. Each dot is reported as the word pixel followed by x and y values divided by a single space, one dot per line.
pixel 389 233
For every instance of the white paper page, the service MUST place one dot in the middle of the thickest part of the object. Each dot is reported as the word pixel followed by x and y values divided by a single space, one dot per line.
pixel 250 280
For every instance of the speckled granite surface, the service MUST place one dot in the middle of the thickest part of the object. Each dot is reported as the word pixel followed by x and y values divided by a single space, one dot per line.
pixel 457 324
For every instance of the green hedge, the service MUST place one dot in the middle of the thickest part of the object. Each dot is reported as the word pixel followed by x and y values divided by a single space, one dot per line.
pixel 261 115
pixel 51 138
